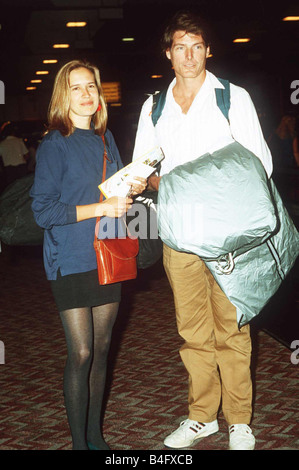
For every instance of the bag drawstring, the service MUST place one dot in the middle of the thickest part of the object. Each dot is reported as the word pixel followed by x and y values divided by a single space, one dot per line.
pixel 225 264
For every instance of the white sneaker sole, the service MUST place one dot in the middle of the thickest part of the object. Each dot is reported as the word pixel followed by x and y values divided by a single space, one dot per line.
pixel 249 447
pixel 196 438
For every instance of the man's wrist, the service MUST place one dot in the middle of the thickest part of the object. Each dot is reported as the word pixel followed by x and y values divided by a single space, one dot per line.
pixel 153 182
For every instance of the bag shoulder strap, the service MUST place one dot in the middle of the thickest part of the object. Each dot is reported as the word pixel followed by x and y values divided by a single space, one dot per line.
pixel 222 98
pixel 105 158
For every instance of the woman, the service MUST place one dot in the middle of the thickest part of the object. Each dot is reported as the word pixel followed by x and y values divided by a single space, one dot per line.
pixel 65 203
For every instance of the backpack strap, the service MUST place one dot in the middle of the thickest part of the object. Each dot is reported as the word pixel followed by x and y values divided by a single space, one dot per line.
pixel 222 98
pixel 158 105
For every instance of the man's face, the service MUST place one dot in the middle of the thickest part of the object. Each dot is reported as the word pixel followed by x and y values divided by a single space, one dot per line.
pixel 188 54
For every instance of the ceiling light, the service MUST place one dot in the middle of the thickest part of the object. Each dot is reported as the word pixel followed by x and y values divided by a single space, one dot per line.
pixel 241 40
pixel 50 61
pixel 61 46
pixel 42 72
pixel 35 81
pixel 76 24
pixel 291 18
pixel 128 39
pixel 31 88
pixel 156 76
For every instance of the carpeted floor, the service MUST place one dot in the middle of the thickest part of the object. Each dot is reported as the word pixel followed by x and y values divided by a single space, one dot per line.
pixel 147 382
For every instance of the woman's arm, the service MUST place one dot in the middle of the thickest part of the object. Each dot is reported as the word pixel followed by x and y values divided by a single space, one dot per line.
pixel 49 210
pixel 112 207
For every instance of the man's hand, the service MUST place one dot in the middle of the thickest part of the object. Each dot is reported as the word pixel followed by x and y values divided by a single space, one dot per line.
pixel 153 182
pixel 137 186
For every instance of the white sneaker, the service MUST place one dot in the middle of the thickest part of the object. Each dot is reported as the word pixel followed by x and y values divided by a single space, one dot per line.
pixel 241 437
pixel 188 432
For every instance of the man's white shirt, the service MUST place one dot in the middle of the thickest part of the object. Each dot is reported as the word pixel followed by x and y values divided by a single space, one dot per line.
pixel 12 151
pixel 204 129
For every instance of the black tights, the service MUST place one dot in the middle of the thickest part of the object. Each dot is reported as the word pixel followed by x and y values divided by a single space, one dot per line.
pixel 88 334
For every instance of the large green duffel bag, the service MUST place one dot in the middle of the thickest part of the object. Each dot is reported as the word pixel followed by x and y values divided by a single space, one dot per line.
pixel 223 207
pixel 17 224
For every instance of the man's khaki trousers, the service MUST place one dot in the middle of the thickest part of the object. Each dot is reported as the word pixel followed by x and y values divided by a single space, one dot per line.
pixel 216 353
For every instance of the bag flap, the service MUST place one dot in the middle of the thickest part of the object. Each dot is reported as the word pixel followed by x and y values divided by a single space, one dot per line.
pixel 122 248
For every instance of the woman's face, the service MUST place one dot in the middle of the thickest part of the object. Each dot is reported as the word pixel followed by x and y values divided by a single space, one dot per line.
pixel 84 97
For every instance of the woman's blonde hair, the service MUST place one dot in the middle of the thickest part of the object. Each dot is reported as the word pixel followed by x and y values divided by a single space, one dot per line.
pixel 58 113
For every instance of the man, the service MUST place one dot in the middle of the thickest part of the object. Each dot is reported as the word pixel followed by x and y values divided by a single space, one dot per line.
pixel 216 353
pixel 14 154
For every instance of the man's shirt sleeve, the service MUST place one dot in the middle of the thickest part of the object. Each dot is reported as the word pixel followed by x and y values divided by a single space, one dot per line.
pixel 246 128
pixel 145 136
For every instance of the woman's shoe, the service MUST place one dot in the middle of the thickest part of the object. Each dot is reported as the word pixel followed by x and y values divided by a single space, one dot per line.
pixel 91 446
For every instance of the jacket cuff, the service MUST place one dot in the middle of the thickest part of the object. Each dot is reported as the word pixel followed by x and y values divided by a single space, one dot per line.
pixel 71 214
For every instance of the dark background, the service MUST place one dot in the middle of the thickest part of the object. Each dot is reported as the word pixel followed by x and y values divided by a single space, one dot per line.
pixel 266 67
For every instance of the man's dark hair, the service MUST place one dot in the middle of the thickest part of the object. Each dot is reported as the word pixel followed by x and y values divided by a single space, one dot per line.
pixel 185 21
pixel 9 129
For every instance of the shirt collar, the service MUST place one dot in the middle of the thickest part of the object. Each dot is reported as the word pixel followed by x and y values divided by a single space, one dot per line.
pixel 210 82
pixel 213 80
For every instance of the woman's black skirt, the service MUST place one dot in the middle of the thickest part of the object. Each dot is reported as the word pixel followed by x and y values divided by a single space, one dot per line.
pixel 83 290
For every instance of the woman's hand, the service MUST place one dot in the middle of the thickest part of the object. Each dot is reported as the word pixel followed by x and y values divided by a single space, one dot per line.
pixel 113 207
pixel 137 187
